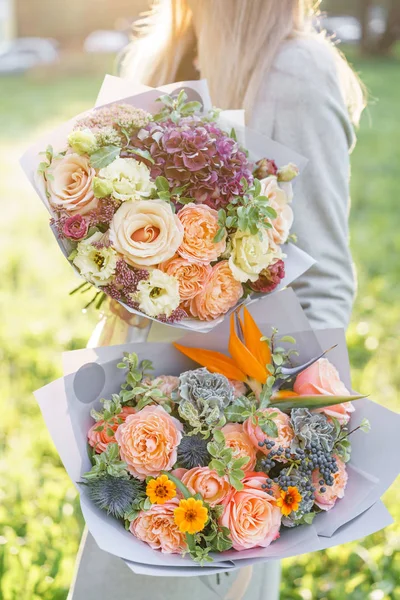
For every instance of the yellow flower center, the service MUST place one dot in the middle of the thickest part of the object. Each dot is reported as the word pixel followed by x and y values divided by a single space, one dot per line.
pixel 99 260
pixel 155 292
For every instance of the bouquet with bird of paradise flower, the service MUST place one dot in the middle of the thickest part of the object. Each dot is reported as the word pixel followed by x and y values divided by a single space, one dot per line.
pixel 221 453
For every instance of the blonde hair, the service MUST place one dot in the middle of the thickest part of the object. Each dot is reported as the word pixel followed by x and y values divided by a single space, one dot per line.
pixel 220 30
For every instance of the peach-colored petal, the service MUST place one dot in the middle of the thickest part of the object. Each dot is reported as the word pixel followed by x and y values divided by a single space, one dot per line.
pixel 220 293
pixel 70 187
pixel 157 528
pixel 285 432
pixel 326 500
pixel 251 515
pixel 148 441
pixel 99 440
pixel 200 224
pixel 208 483
pixel 237 439
pixel 191 276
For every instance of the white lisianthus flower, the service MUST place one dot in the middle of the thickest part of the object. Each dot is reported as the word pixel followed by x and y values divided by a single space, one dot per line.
pixel 250 255
pixel 129 178
pixel 96 264
pixel 158 295
pixel 82 141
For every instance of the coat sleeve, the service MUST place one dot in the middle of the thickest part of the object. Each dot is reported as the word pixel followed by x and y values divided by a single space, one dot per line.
pixel 300 105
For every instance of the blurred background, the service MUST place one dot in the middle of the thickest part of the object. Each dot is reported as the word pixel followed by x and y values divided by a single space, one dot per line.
pixel 53 56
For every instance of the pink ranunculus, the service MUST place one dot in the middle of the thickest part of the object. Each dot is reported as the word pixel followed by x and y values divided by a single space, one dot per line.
pixel 99 440
pixel 205 481
pixel 285 432
pixel 251 514
pixel 240 443
pixel 326 500
pixel 148 441
pixel 322 378
pixel 75 227
pixel 158 529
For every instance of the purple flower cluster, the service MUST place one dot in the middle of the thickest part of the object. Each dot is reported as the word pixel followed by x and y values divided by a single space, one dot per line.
pixel 177 315
pixel 125 282
pixel 103 214
pixel 199 155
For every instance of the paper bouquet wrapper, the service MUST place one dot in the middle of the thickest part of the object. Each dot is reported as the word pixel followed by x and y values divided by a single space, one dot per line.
pixel 116 89
pixel 91 374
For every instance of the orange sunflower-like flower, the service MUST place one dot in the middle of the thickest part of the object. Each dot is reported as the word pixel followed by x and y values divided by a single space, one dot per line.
pixel 160 490
pixel 191 515
pixel 289 500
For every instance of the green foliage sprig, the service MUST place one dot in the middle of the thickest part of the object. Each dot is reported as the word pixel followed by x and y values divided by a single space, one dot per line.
pixel 249 212
pixel 175 108
pixel 223 461
pixel 108 463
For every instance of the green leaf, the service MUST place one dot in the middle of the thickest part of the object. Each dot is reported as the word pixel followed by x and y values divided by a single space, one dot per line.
pixel 365 426
pixel 142 153
pixel 240 462
pixel 218 465
pixel 286 404
pixel 191 107
pixel 218 436
pixel 233 134
pixel 220 235
pixel 288 339
pixel 121 365
pixel 236 483
pixel 104 156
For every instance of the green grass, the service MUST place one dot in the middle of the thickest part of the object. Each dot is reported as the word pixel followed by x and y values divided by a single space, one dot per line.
pixel 40 520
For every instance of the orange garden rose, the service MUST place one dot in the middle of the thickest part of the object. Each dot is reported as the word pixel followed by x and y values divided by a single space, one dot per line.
pixel 157 528
pixel 220 293
pixel 70 185
pixel 251 514
pixel 285 431
pixel 148 441
pixel 208 483
pixel 323 378
pixel 326 500
pixel 241 444
pixel 190 275
pixel 200 225
pixel 99 440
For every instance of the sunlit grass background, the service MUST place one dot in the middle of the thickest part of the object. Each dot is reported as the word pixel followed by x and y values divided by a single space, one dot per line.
pixel 40 519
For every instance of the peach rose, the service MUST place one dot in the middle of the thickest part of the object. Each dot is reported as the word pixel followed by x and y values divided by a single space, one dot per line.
pixel 157 528
pixel 200 224
pixel 326 500
pixel 251 515
pixel 239 387
pixel 70 187
pixel 205 481
pixel 145 232
pixel 148 441
pixel 99 440
pixel 191 276
pixel 241 444
pixel 278 200
pixel 220 293
pixel 285 432
pixel 322 378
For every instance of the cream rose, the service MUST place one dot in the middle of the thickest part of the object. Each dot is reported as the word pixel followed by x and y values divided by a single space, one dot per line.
pixel 70 184
pixel 128 178
pixel 250 255
pixel 146 232
pixel 279 198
